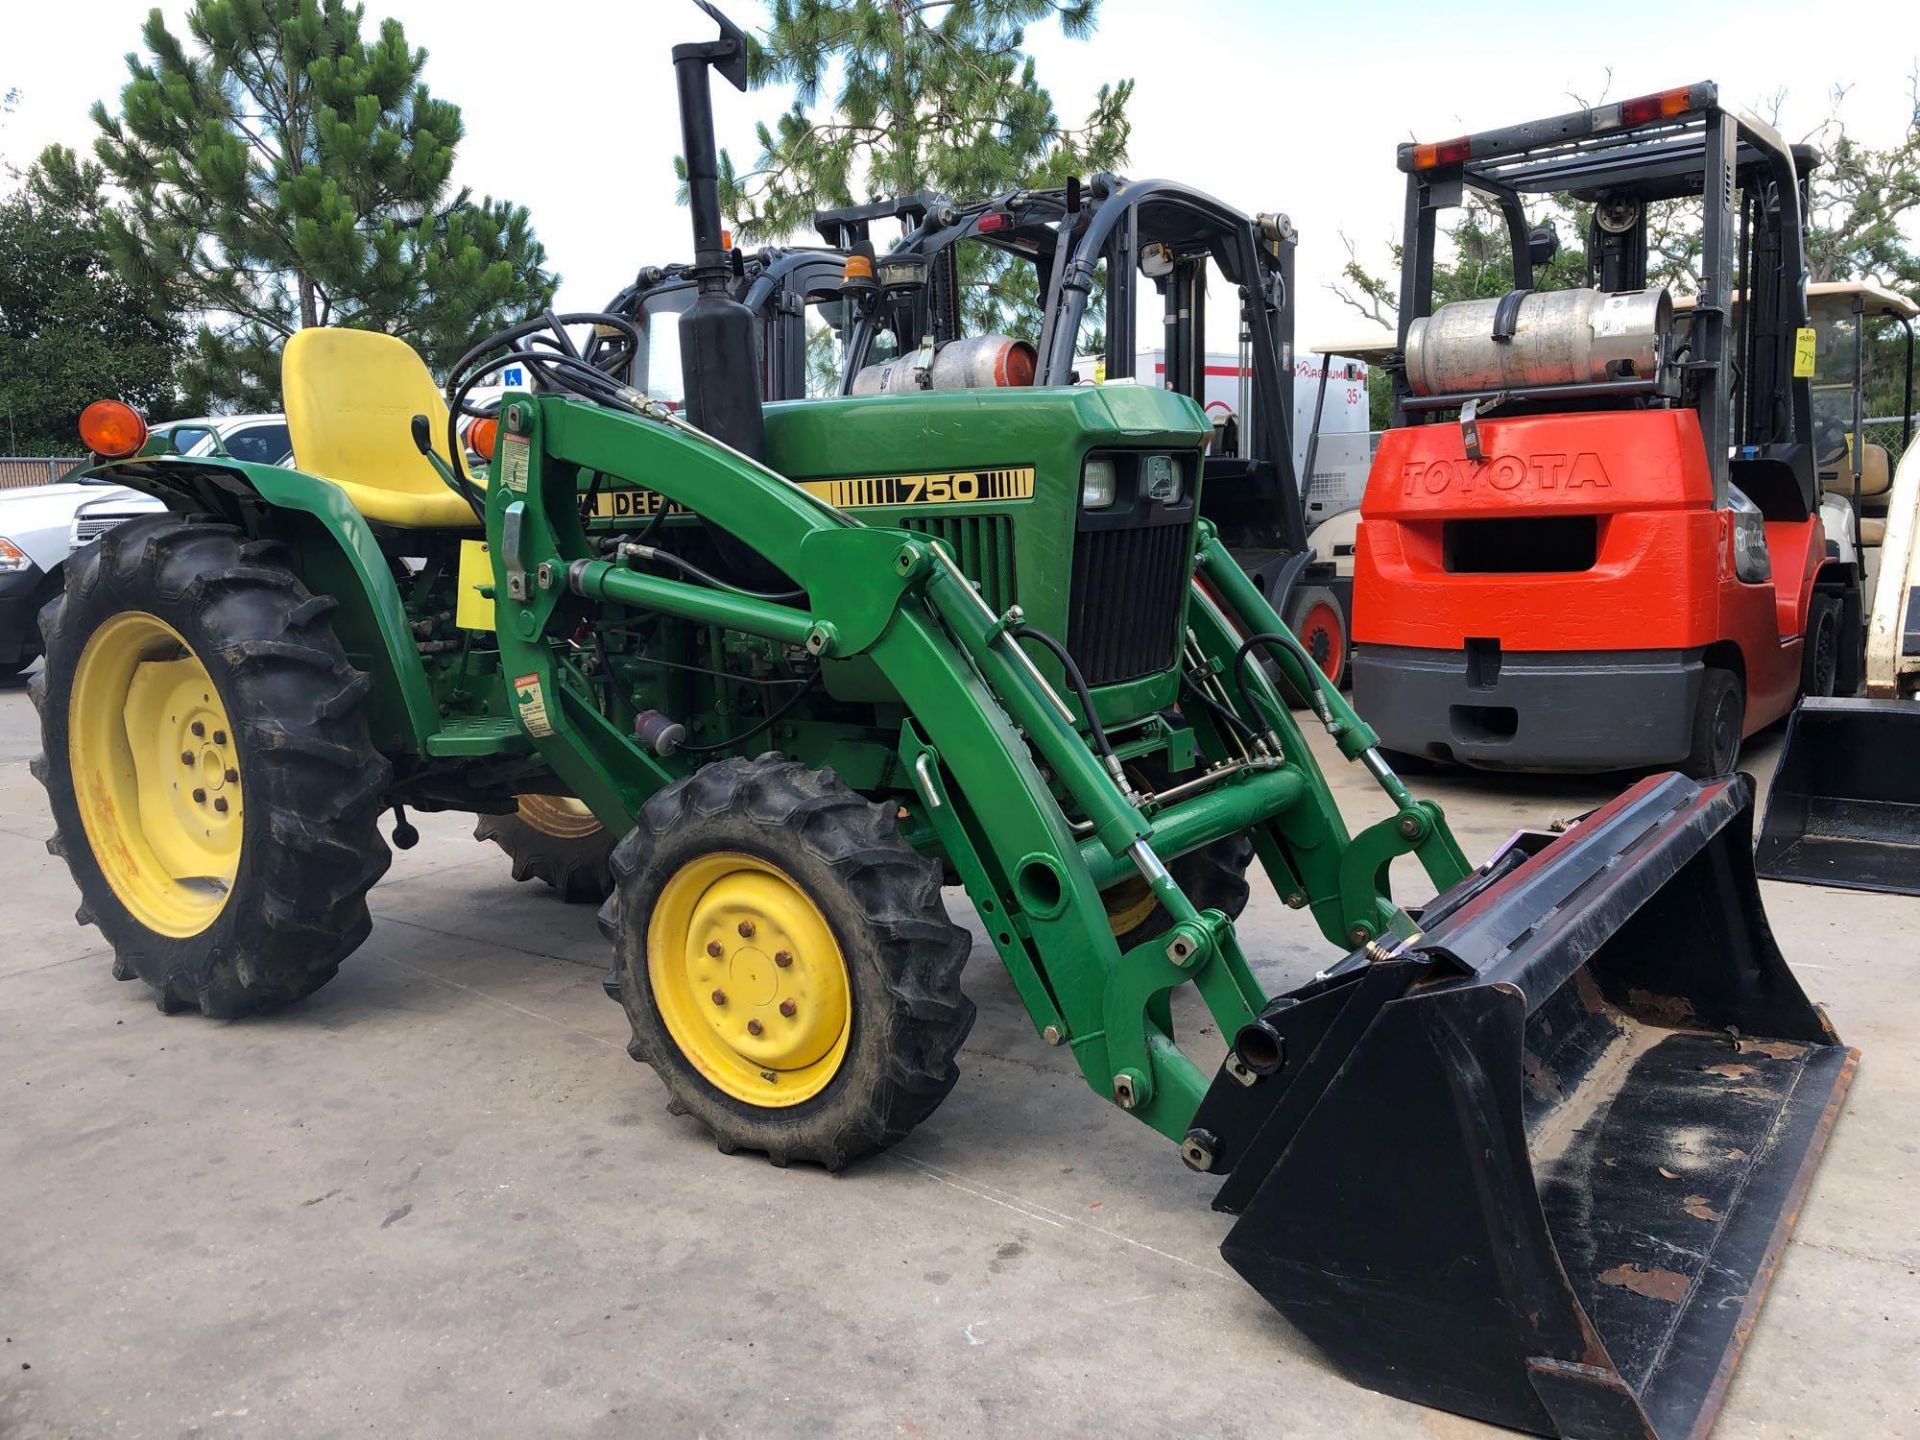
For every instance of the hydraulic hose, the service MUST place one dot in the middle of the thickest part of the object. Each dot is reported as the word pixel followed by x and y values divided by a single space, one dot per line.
pixel 1102 746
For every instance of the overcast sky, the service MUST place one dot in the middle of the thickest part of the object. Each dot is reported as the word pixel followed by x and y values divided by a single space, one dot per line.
pixel 569 105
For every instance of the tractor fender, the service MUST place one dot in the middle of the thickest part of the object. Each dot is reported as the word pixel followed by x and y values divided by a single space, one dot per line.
pixel 334 553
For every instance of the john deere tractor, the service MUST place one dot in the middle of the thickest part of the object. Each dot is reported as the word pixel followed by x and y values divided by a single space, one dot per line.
pixel 815 662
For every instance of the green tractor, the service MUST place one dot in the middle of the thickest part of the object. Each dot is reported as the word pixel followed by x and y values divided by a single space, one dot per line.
pixel 812 662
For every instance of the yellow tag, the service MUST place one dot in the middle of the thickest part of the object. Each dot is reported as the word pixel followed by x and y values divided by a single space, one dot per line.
pixel 471 609
pixel 531 703
pixel 1803 348
pixel 1100 371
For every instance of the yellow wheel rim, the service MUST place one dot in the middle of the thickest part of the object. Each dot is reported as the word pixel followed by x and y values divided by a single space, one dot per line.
pixel 1128 905
pixel 749 980
pixel 560 816
pixel 156 774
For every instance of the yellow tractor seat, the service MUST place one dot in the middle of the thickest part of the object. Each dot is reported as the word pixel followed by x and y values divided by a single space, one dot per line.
pixel 351 396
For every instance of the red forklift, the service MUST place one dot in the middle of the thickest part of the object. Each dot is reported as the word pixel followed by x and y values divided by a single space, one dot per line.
pixel 1593 537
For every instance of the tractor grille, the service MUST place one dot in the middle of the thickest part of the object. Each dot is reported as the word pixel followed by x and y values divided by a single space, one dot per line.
pixel 1123 618
pixel 982 546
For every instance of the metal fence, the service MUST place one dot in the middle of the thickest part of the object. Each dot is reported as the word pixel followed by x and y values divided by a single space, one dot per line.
pixel 1887 430
pixel 17 471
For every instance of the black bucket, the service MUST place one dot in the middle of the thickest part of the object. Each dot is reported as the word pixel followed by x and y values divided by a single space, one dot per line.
pixel 1539 1168
pixel 1845 804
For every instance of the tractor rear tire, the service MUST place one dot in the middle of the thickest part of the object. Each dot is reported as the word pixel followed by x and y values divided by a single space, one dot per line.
pixel 1719 719
pixel 786 962
pixel 557 840
pixel 207 761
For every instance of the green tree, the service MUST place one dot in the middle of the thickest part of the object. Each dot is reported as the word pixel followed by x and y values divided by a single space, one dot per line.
pixel 893 97
pixel 927 96
pixel 285 171
pixel 71 330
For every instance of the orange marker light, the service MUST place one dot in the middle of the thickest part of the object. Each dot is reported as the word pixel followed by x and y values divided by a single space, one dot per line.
pixel 1662 106
pixel 112 429
pixel 481 435
pixel 859 267
pixel 1446 152
pixel 726 240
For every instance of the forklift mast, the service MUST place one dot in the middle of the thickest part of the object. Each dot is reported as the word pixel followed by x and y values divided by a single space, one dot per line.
pixel 1115 236
pixel 1732 363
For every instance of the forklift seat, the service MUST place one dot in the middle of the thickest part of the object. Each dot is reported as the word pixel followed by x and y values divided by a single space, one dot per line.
pixel 351 396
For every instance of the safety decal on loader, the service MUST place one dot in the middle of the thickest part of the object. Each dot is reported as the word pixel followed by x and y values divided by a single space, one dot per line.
pixel 515 459
pixel 530 701
pixel 945 487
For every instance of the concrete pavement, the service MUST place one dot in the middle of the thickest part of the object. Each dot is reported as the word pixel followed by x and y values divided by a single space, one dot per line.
pixel 437 1199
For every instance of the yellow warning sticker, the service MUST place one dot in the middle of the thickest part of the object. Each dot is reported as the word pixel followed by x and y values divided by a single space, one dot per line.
pixel 1803 353
pixel 531 703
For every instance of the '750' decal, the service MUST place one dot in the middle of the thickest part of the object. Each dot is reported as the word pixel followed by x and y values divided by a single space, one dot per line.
pixel 945 487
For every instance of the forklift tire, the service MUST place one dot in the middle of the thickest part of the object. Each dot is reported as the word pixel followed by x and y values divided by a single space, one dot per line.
pixel 206 758
pixel 555 839
pixel 1315 614
pixel 1719 718
pixel 1820 651
pixel 786 962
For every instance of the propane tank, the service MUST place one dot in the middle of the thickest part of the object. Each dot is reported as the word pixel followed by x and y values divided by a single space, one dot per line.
pixel 980 362
pixel 1552 337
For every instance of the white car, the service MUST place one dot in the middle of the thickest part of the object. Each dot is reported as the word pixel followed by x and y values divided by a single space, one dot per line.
pixel 41 525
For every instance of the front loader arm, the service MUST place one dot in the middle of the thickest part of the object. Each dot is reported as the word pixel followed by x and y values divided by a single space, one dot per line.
pixel 1034 825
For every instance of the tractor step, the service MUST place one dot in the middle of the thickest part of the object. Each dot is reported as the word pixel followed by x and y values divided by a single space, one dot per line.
pixel 478 735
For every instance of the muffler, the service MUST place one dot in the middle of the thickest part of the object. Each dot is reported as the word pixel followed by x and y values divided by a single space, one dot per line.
pixel 1538 1165
pixel 1844 807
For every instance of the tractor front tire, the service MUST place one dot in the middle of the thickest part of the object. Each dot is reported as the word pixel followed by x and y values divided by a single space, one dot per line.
pixel 786 962
pixel 556 840
pixel 207 761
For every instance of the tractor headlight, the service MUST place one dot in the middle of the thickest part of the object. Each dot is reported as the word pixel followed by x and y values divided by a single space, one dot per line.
pixel 1098 483
pixel 1160 479
pixel 13 559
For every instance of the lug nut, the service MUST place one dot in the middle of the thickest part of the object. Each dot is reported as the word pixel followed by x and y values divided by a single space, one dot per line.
pixel 186 757
pixel 754 1027
pixel 232 775
pixel 719 997
pixel 746 929
pixel 715 949
pixel 197 728
pixel 783 958
pixel 220 803
pixel 219 737
pixel 789 1009
pixel 199 797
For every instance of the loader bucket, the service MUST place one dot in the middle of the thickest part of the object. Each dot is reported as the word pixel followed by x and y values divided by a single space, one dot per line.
pixel 1540 1167
pixel 1845 804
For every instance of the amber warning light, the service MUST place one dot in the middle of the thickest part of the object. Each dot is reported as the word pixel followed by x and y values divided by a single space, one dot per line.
pixel 112 429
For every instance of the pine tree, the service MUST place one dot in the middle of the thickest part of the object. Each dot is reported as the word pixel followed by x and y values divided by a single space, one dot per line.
pixel 936 97
pixel 285 171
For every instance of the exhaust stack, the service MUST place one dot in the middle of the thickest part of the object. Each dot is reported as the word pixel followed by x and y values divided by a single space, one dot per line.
pixel 719 364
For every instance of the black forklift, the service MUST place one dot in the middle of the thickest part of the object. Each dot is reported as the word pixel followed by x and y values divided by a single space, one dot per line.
pixel 1048 287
